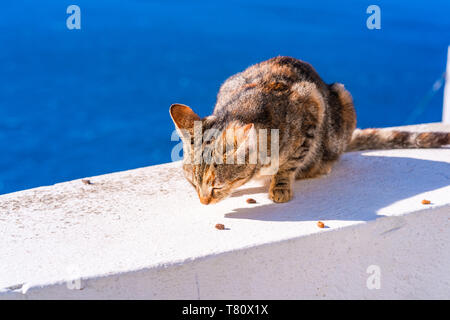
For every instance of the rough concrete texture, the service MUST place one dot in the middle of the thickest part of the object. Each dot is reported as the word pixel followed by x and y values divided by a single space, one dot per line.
pixel 143 234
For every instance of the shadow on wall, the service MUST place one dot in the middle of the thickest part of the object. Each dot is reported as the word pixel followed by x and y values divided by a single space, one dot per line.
pixel 360 186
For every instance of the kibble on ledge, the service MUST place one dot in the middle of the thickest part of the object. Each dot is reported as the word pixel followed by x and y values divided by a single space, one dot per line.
pixel 220 226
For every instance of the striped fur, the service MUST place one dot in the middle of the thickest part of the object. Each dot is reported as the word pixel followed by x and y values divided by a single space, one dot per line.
pixel 370 139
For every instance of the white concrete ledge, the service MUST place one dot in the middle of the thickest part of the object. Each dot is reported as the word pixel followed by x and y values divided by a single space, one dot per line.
pixel 143 234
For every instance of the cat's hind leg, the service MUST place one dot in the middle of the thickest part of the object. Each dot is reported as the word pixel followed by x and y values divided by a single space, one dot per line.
pixel 316 170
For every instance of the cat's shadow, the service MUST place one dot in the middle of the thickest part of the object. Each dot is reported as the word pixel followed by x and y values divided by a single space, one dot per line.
pixel 361 187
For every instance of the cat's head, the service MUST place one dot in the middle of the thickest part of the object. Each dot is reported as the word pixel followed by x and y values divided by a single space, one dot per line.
pixel 216 156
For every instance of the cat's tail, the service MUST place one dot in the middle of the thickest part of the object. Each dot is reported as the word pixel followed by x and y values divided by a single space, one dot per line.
pixel 372 139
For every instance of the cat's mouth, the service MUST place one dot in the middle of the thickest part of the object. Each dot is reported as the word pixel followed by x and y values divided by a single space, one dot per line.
pixel 210 199
pixel 206 200
pixel 218 194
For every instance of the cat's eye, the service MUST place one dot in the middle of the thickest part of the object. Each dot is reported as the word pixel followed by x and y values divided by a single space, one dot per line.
pixel 214 190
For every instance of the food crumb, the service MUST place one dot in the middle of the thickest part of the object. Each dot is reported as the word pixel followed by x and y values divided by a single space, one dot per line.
pixel 426 201
pixel 320 224
pixel 250 200
pixel 220 226
pixel 86 181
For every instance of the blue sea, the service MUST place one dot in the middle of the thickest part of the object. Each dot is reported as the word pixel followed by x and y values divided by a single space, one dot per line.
pixel 77 103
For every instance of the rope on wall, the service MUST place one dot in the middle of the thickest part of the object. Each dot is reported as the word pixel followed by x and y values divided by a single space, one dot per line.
pixel 425 101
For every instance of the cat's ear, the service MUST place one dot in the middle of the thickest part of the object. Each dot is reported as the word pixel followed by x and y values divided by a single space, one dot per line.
pixel 183 116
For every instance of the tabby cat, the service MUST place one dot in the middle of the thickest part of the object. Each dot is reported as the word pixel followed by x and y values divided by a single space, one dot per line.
pixel 316 124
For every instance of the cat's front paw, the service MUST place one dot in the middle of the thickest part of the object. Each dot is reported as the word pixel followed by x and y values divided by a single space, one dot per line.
pixel 280 195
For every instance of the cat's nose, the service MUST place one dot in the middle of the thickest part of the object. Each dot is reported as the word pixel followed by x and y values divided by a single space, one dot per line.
pixel 205 200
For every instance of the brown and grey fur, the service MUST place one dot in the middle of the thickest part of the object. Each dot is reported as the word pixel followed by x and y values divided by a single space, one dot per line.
pixel 316 123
